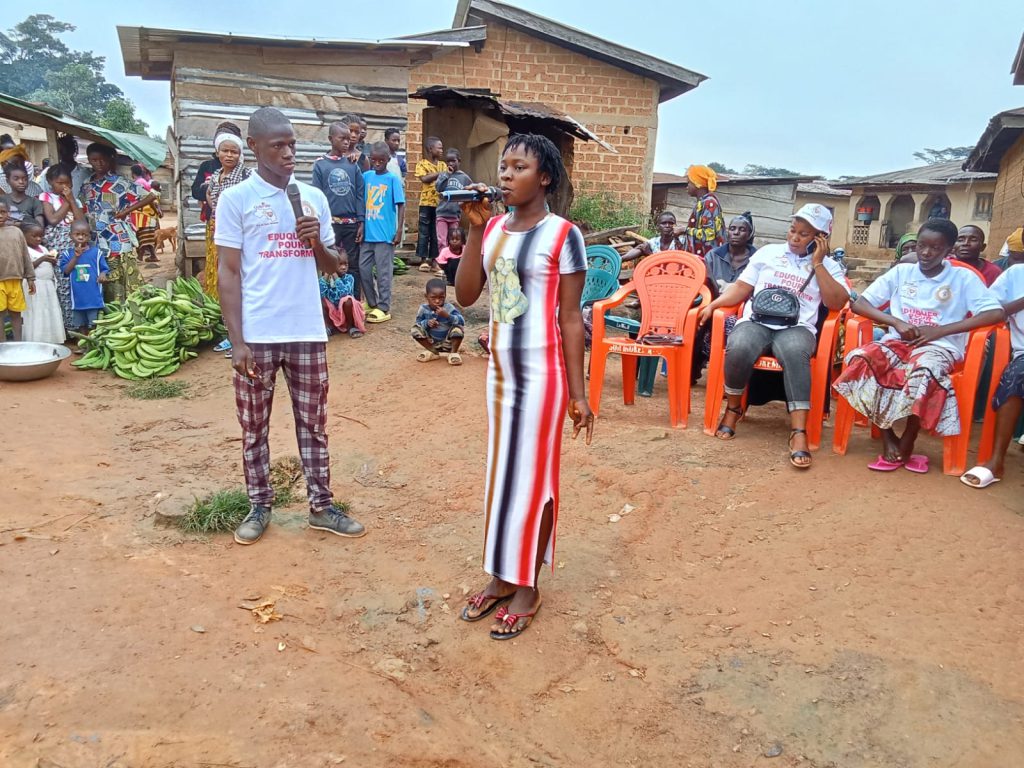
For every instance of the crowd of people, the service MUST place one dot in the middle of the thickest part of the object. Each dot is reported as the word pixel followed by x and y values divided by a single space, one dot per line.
pixel 72 238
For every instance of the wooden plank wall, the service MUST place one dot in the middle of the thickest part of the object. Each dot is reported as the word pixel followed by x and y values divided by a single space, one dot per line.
pixel 770 204
pixel 313 88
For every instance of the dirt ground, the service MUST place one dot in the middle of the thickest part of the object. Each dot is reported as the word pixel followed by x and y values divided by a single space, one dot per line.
pixel 742 614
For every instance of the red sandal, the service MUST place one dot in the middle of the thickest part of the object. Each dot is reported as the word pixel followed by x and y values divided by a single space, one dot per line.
pixel 510 620
pixel 477 600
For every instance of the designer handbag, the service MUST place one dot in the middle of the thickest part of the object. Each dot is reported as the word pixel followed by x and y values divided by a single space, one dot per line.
pixel 778 306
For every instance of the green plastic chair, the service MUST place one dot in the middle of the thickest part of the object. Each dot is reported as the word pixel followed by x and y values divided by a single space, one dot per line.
pixel 605 258
pixel 598 285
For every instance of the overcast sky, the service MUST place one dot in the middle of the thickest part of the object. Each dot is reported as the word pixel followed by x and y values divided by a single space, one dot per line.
pixel 822 88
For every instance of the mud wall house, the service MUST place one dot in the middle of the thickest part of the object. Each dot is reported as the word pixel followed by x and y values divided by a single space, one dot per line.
pixel 540 64
pixel 769 199
pixel 886 206
pixel 215 77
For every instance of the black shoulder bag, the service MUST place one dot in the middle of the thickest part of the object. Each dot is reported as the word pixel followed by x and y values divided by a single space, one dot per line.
pixel 778 306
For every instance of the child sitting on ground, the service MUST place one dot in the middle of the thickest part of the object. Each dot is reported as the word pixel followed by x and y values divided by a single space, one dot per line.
pixel 451 253
pixel 439 325
pixel 43 320
pixel 1008 401
pixel 15 266
pixel 341 310
pixel 88 269
pixel 933 306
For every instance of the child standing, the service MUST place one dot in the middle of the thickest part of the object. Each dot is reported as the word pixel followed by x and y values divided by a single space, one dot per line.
pixel 21 206
pixel 427 171
pixel 932 307
pixel 87 268
pixel 1008 400
pixel 449 213
pixel 15 266
pixel 340 178
pixel 60 209
pixel 450 254
pixel 43 321
pixel 385 215
pixel 439 326
pixel 534 263
pixel 342 311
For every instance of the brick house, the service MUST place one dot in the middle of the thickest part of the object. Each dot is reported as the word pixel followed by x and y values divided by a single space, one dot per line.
pixel 522 57
pixel 1001 150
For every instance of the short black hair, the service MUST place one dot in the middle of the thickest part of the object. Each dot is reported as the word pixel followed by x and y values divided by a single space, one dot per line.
pixel 11 166
pixel 457 231
pixel 549 159
pixel 54 172
pixel 336 127
pixel 138 170
pixel 266 120
pixel 30 224
pixel 431 141
pixel 972 226
pixel 379 147
pixel 4 204
pixel 389 132
pixel 98 148
pixel 436 284
pixel 350 118
pixel 943 227
pixel 81 223
pixel 227 127
pixel 6 139
pixel 156 185
pixel 453 151
pixel 666 213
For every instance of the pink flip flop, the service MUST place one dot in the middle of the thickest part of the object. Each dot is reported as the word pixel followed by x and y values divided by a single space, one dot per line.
pixel 917 463
pixel 882 464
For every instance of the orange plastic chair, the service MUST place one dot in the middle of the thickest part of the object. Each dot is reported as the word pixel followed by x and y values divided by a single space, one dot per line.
pixel 821 369
pixel 667 284
pixel 965 378
pixel 988 427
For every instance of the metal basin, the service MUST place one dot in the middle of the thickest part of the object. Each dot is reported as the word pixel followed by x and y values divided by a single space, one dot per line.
pixel 30 360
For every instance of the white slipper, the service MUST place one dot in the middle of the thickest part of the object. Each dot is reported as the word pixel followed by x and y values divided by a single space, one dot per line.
pixel 984 475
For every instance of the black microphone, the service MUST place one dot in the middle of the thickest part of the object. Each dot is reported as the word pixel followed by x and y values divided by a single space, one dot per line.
pixel 471 195
pixel 296 200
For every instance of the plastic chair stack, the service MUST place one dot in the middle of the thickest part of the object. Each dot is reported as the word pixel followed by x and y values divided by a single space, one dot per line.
pixel 821 369
pixel 667 284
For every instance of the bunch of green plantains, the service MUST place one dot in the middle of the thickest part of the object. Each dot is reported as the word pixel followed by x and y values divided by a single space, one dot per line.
pixel 152 332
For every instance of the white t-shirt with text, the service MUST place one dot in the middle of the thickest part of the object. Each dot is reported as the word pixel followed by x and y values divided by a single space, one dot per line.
pixel 946 298
pixel 280 285
pixel 1008 287
pixel 775 266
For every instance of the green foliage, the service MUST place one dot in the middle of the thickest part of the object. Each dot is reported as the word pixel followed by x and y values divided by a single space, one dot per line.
pixel 767 170
pixel 946 155
pixel 156 389
pixel 721 168
pixel 217 513
pixel 600 209
pixel 36 65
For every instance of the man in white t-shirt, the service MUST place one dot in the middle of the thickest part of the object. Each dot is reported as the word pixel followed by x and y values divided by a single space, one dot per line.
pixel 269 262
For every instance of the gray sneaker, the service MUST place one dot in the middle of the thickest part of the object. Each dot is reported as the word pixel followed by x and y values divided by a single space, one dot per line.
pixel 251 529
pixel 335 520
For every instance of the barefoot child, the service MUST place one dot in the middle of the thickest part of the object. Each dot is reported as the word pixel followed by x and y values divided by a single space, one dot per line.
pixel 87 268
pixel 15 266
pixel 43 320
pixel 451 253
pixel 906 374
pixel 1008 400
pixel 342 312
pixel 439 326
pixel 534 263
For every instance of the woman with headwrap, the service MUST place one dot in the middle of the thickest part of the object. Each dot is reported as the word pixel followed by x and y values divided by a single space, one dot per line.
pixel 232 171
pixel 906 249
pixel 706 228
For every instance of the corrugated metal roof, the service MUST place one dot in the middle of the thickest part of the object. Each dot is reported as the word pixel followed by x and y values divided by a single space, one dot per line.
pixel 148 52
pixel 938 174
pixel 671 179
pixel 151 152
pixel 673 79
pixel 822 188
pixel 1000 134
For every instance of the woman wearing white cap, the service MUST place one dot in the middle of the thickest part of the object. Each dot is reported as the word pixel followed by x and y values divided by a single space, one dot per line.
pixel 788 282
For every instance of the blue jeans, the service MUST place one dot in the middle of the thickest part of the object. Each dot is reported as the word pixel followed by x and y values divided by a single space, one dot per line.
pixel 792 347
pixel 84 318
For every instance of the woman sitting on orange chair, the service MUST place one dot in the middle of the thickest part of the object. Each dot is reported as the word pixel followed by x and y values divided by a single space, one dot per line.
pixel 906 375
pixel 798 267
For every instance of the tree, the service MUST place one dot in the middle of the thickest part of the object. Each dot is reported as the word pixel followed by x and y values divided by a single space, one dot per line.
pixel 721 168
pixel 119 115
pixel 36 65
pixel 764 170
pixel 947 155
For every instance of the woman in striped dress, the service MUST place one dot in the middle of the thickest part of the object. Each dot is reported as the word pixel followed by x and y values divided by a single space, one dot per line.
pixel 534 264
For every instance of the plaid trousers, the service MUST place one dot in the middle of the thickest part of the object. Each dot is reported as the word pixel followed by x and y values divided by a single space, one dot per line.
pixel 304 365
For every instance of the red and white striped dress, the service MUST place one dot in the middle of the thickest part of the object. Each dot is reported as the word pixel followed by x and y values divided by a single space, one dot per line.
pixel 526 388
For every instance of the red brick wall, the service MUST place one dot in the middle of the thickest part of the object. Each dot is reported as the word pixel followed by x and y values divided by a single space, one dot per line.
pixel 618 106
pixel 1008 203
